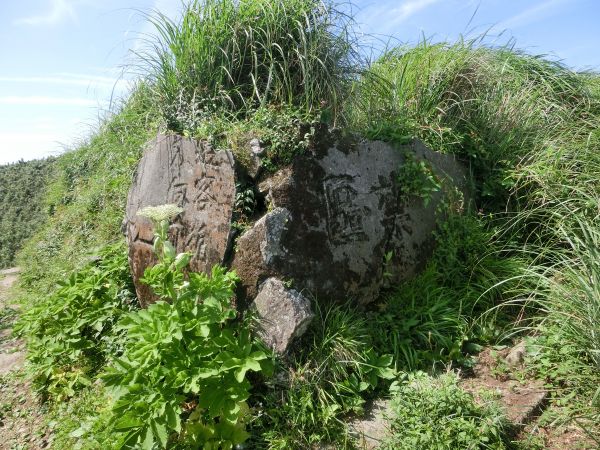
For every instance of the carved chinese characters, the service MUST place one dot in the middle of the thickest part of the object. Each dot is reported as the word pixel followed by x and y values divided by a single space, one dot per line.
pixel 197 178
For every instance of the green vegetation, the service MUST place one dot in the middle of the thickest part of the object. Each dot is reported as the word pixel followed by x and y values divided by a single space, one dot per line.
pixel 528 128
pixel 22 189
pixel 72 333
pixel 334 371
pixel 435 413
pixel 228 57
pixel 185 349
pixel 520 257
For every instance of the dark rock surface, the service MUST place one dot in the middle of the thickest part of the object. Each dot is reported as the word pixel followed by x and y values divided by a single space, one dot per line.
pixel 335 214
pixel 331 216
pixel 192 175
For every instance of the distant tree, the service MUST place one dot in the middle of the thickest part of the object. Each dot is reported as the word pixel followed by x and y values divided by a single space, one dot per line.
pixel 22 210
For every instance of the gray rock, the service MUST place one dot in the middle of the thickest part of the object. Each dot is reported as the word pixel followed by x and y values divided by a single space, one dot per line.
pixel 345 211
pixel 260 248
pixel 256 148
pixel 516 355
pixel 192 175
pixel 371 429
pixel 283 314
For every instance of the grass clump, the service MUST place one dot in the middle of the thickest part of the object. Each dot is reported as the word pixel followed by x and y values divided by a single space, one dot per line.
pixel 228 57
pixel 494 107
pixel 335 369
pixel 435 318
pixel 435 413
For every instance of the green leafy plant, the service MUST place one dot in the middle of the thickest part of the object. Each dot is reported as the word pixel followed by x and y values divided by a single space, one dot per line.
pixel 73 332
pixel 336 371
pixel 416 178
pixel 182 375
pixel 435 413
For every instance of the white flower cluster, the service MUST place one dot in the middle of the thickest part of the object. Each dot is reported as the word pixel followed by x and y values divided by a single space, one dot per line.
pixel 159 213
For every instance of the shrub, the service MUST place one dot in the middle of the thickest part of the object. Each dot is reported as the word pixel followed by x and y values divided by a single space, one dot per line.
pixel 72 333
pixel 435 317
pixel 435 413
pixel 22 189
pixel 182 374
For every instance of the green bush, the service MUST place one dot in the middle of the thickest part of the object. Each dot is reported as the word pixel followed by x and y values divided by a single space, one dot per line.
pixel 435 413
pixel 182 374
pixel 22 189
pixel 71 333
pixel 436 317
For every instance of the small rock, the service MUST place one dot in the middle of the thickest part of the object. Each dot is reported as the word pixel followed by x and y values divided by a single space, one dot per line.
pixel 256 148
pixel 283 314
pixel 371 429
pixel 516 356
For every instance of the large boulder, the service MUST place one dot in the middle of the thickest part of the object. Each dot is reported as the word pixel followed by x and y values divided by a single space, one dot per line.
pixel 339 224
pixel 336 224
pixel 192 175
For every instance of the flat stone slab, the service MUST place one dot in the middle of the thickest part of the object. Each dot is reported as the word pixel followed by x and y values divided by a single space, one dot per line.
pixel 521 401
pixel 371 429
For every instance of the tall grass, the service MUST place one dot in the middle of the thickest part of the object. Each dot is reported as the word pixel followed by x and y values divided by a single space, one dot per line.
pixel 529 128
pixel 227 56
pixel 494 107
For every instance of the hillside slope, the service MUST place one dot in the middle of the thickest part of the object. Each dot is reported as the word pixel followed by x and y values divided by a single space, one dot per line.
pixel 22 190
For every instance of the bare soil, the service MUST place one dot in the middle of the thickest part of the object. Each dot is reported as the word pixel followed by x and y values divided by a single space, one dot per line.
pixel 22 422
pixel 523 400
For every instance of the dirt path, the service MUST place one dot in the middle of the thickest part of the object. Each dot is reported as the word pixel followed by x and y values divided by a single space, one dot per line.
pixel 12 353
pixel 22 421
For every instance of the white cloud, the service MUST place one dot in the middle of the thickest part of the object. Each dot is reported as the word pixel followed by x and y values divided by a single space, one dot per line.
pixel 60 10
pixel 44 100
pixel 532 14
pixel 409 8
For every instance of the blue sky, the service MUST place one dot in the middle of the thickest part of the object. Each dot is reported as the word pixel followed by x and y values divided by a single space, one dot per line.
pixel 61 61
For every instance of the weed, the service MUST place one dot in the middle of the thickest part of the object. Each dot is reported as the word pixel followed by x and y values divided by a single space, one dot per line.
pixel 416 178
pixel 182 374
pixel 330 378
pixel 227 57
pixel 435 413
pixel 72 333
